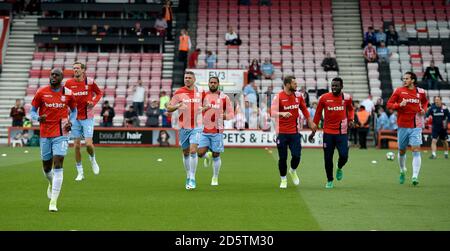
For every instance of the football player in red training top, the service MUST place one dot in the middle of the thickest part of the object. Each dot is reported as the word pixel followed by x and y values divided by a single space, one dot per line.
pixel 410 102
pixel 285 111
pixel 338 117
pixel 53 103
pixel 187 100
pixel 83 89
pixel 217 107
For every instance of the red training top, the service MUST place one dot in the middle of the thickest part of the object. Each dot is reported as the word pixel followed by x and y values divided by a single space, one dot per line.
pixel 192 99
pixel 338 112
pixel 56 106
pixel 83 92
pixel 416 100
pixel 220 105
pixel 282 102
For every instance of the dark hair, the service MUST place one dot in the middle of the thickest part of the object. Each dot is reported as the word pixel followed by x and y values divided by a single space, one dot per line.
pixel 190 73
pixel 288 80
pixel 413 76
pixel 83 66
pixel 218 81
pixel 437 97
pixel 338 79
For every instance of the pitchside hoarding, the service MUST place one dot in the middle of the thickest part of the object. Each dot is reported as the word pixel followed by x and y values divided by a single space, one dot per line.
pixel 254 138
pixel 119 136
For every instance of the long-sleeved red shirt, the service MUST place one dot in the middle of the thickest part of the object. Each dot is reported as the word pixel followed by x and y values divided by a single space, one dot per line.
pixel 83 92
pixel 338 112
pixel 416 100
pixel 283 102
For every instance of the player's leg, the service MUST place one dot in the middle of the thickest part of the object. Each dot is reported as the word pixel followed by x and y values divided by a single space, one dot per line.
pixel 282 147
pixel 342 147
pixel 88 132
pixel 203 146
pixel 59 150
pixel 47 162
pixel 295 146
pixel 402 141
pixel 328 149
pixel 216 148
pixel 194 139
pixel 415 140
pixel 444 138
pixel 433 148
pixel 76 133
pixel 185 146
pixel 434 140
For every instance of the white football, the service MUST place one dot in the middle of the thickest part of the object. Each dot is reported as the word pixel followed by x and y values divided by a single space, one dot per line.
pixel 390 156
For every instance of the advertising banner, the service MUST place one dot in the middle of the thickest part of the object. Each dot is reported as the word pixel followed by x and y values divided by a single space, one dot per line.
pixel 252 138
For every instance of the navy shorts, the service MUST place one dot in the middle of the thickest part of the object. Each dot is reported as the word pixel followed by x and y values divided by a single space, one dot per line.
pixel 439 133
pixel 289 140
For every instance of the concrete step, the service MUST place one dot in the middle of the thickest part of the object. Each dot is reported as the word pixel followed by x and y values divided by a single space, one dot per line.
pixel 11 88
pixel 13 75
pixel 12 93
pixel 14 78
pixel 17 70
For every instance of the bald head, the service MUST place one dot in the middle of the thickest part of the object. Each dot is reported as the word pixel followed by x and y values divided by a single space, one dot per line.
pixel 56 77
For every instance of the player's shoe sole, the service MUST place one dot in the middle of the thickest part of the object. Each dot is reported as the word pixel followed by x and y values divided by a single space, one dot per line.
pixel 415 181
pixel 294 177
pixel 339 174
pixel 79 177
pixel 52 206
pixel 95 168
pixel 329 185
pixel 283 184
pixel 402 178
pixel 49 191
pixel 214 181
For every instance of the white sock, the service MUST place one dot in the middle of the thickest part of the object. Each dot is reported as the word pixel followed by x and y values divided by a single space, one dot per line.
pixel 187 164
pixel 217 162
pixel 79 168
pixel 416 163
pixel 49 176
pixel 402 162
pixel 92 158
pixel 57 183
pixel 193 165
pixel 433 153
pixel 293 170
pixel 283 178
pixel 446 152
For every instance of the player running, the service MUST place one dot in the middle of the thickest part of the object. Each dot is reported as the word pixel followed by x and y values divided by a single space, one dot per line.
pixel 285 111
pixel 217 107
pixel 338 117
pixel 410 103
pixel 187 100
pixel 53 103
pixel 84 88
pixel 440 115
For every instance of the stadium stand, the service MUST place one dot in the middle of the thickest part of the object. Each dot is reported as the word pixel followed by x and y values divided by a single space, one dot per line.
pixel 427 25
pixel 295 35
pixel 115 73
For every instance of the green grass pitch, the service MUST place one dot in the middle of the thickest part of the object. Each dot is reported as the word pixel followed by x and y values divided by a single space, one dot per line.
pixel 136 192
